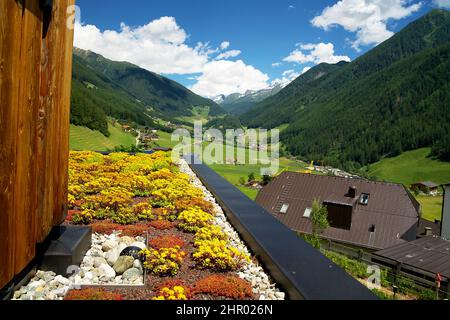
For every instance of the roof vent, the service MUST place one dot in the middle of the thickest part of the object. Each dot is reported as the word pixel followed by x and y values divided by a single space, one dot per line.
pixel 352 192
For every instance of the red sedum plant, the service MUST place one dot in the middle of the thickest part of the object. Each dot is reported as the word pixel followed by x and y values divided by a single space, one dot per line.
pixel 224 286
pixel 166 242
pixel 93 294
pixel 162 224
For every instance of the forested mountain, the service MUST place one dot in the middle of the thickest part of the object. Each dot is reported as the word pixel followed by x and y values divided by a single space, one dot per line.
pixel 94 97
pixel 394 98
pixel 102 87
pixel 266 114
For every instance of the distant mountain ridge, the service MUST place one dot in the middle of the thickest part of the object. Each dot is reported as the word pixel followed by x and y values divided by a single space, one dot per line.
pixel 125 91
pixel 238 103
pixel 395 97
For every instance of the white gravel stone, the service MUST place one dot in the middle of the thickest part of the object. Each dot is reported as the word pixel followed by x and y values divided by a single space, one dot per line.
pixel 61 292
pixel 132 274
pixel 107 271
pixel 95 270
pixel 112 256
pixel 62 280
pixel 108 245
pixel 35 284
pixel 98 261
pixel 128 241
pixel 138 244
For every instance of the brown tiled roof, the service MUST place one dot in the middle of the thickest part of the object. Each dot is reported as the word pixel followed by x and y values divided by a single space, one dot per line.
pixel 340 199
pixel 428 184
pixel 430 254
pixel 434 226
pixel 390 208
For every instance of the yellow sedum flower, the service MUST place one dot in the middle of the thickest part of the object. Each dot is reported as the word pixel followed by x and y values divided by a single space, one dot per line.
pixel 165 261
pixel 175 293
pixel 194 219
pixel 218 255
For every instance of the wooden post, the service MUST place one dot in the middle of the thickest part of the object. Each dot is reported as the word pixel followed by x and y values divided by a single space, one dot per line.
pixel 448 288
pixel 398 271
pixel 35 83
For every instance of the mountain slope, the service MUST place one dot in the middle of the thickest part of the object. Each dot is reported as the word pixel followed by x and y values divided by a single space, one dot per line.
pixel 94 97
pixel 267 112
pixel 396 97
pixel 238 104
pixel 165 97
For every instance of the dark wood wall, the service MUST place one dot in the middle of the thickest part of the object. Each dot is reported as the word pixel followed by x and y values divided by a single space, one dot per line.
pixel 35 82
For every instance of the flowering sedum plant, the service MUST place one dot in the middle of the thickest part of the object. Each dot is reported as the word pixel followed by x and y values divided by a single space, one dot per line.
pixel 193 219
pixel 108 185
pixel 140 194
pixel 83 217
pixel 224 286
pixel 174 293
pixel 165 261
pixel 209 233
pixel 218 255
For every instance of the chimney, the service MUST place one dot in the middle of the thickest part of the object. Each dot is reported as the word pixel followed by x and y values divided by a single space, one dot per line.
pixel 352 192
pixel 428 231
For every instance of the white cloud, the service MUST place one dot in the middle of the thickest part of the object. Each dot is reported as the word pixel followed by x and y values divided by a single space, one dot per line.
pixel 158 46
pixel 442 3
pixel 315 53
pixel 228 77
pixel 288 76
pixel 161 46
pixel 228 54
pixel 276 64
pixel 224 45
pixel 368 18
pixel 306 69
pixel 288 72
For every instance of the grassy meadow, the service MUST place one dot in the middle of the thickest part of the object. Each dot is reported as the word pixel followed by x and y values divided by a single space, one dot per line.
pixel 411 167
pixel 82 138
pixel 415 166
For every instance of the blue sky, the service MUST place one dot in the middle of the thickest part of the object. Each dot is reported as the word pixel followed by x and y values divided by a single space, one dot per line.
pixel 231 46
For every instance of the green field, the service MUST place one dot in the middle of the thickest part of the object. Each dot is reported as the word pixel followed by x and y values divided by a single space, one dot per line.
pixel 82 138
pixel 198 114
pixel 415 166
pixel 165 140
pixel 234 173
pixel 411 167
pixel 431 207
